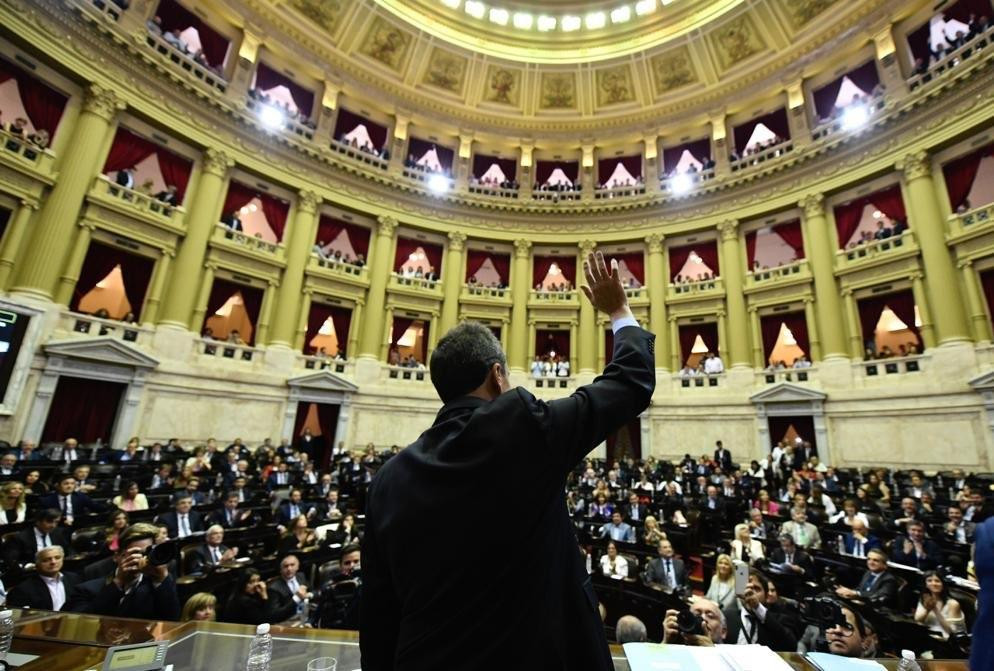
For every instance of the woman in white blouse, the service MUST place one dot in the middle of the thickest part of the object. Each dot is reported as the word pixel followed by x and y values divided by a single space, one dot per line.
pixel 745 547
pixel 614 565
pixel 937 610
pixel 13 504
pixel 722 589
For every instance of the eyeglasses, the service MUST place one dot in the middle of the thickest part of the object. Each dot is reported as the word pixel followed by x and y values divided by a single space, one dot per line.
pixel 844 629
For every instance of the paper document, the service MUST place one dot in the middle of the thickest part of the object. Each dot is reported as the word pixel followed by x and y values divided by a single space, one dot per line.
pixel 752 658
pixel 827 662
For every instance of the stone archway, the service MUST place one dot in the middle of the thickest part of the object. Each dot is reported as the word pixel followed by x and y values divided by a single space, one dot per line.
pixel 789 400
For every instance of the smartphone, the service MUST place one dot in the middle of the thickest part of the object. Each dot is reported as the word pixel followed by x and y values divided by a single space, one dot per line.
pixel 741 575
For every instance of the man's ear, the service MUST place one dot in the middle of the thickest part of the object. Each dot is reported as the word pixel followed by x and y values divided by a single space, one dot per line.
pixel 497 379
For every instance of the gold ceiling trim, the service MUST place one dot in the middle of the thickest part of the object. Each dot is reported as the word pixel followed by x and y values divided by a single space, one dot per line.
pixel 556 47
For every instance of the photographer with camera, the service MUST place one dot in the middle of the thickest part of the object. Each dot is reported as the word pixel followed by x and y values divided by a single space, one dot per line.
pixel 840 629
pixel 754 622
pixel 141 586
pixel 342 593
pixel 703 624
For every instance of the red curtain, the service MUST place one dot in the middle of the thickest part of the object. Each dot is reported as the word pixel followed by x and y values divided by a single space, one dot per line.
pixel 359 237
pixel 399 328
pixel 347 121
pixel 175 170
pixel 127 151
pixel 303 409
pixel 401 257
pixel 699 149
pixel 267 78
pixel 776 121
pixel 223 289
pixel 276 211
pixel 475 259
pixel 865 77
pixel 825 98
pixel 607 166
pixel 987 282
pixel 482 163
pixel 328 419
pixel 552 341
pixel 542 264
pixel 901 303
pixel 688 334
pixel 770 327
pixel 751 248
pixel 635 262
pixel 961 10
pixel 848 215
pixel 43 104
pixel 175 16
pixel 316 318
pixel 424 341
pixel 779 426
pixel 608 346
pixel 328 229
pixel 252 298
pixel 100 260
pixel 82 408
pixel 543 169
pixel 791 233
pixel 136 272
pixel 708 252
pixel 502 263
pixel 918 42
pixel 678 259
pixel 342 319
pixel 238 196
pixel 961 173
pixel 434 254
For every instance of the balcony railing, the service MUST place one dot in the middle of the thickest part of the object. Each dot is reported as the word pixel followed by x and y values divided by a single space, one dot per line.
pixel 105 9
pixel 836 125
pixel 339 267
pixel 951 59
pixel 137 200
pixel 556 196
pixel 410 281
pixel 553 382
pixel 795 268
pixel 185 62
pixel 359 154
pixel 636 293
pixel 406 374
pixel 26 151
pixel 775 376
pixel 892 366
pixel 604 193
pixel 291 126
pixel 666 182
pixel 980 215
pixel 253 242
pixel 554 296
pixel 220 349
pixel 85 324
pixel 316 362
pixel 701 381
pixel 493 191
pixel 425 176
pixel 875 248
pixel 476 291
pixel 695 288
pixel 763 155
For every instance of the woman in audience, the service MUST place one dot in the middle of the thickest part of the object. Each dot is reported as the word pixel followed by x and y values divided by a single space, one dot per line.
pixel 345 534
pixel 270 467
pixel 250 602
pixel 33 484
pixel 652 534
pixel 116 524
pixel 745 547
pixel 183 479
pixel 199 608
pixel 876 488
pixel 788 493
pixel 756 471
pixel 600 509
pixel 13 503
pixel 614 565
pixel 644 484
pixel 867 503
pixel 131 499
pixel 765 504
pixel 298 537
pixel 722 588
pixel 199 463
pixel 850 511
pixel 937 610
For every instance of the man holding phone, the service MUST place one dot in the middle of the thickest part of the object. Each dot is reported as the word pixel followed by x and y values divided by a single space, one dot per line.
pixel 754 622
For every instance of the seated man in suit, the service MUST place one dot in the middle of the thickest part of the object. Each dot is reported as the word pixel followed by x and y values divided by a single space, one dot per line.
pixel 212 553
pixel 958 530
pixel 45 533
pixel 181 521
pixel 666 572
pixel 281 477
pixel 293 508
pixel 70 502
pixel 878 586
pixel 755 623
pixel 49 588
pixel 759 528
pixel 292 584
pixel 792 558
pixel 139 589
pixel 193 491
pixel 27 451
pixel 805 534
pixel 917 550
pixel 617 530
pixel 859 540
pixel 636 512
pixel 229 516
pixel 331 509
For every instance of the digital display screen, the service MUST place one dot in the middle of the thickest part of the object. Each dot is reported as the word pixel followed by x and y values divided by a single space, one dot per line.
pixel 127 659
pixel 12 329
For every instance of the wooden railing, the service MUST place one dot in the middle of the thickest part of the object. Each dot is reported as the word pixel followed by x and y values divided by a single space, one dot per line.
pixel 222 232
pixel 339 267
pixel 981 44
pixel 494 191
pixel 696 287
pixel 475 290
pixel 185 62
pixel 768 154
pixel 554 296
pixel 792 269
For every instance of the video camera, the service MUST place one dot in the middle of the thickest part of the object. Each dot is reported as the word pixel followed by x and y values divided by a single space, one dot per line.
pixel 161 554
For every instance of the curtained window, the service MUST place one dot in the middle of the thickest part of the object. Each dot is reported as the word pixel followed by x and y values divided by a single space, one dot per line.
pixel 475 258
pixel 548 342
pixel 266 79
pixel 177 17
pixel 544 170
pixel 789 232
pixel 222 290
pixel 961 173
pixel 101 259
pixel 407 255
pixel 688 336
pixel 987 282
pixel 84 409
pixel 43 104
pixel 634 261
pixel 770 328
pixel 901 303
pixel 128 150
pixel 608 170
pixel 699 150
pixel 776 121
pixel 483 162
pixel 340 317
pixel 803 426
pixel 274 209
pixel 865 77
pixel 419 148
pixel 330 228
pixel 420 346
pixel 347 121
pixel 849 215
pixel 543 264
pixel 919 39
pixel 706 251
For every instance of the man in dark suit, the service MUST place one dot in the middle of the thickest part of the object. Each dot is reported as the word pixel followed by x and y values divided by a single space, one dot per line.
pixel 666 572
pixel 49 588
pixel 792 558
pixel 45 532
pixel 636 512
pixel 212 553
pixel 291 584
pixel 139 589
pixel 802 453
pixel 292 508
pixel 229 516
pixel 414 613
pixel 71 503
pixel 878 586
pixel 126 178
pixel 917 550
pixel 723 457
pixel 181 521
pixel 859 541
pixel 279 478
pixel 755 623
pixel 27 451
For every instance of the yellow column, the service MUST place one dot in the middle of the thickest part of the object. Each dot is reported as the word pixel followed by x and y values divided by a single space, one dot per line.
pixel 819 247
pixel 203 214
pixel 385 333
pixel 602 344
pixel 856 345
pixel 355 327
pixel 55 228
pixel 979 323
pixel 298 250
pixel 74 263
pixel 12 239
pixel 206 275
pixel 150 311
pixel 302 318
pixel 674 336
pixel 266 313
pixel 723 336
pixel 532 331
pixel 814 338
pixel 433 335
pixel 757 338
pixel 924 313
pixel 371 343
pixel 656 282
pixel 733 278
pixel 573 341
pixel 587 330
pixel 930 230
pixel 453 271
pixel 518 342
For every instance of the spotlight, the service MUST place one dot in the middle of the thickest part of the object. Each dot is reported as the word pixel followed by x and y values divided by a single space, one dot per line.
pixel 438 183
pixel 499 16
pixel 523 20
pixel 546 23
pixel 475 8
pixel 570 23
pixel 643 7
pixel 596 20
pixel 855 116
pixel 271 117
pixel 621 14
pixel 681 183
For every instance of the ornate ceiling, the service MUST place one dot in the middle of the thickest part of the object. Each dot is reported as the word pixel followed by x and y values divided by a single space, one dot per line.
pixel 686 61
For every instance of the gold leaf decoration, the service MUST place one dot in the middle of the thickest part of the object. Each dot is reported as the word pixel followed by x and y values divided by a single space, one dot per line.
pixel 503 85
pixel 325 13
pixel 558 90
pixel 672 69
pixel 736 41
pixel 801 12
pixel 386 43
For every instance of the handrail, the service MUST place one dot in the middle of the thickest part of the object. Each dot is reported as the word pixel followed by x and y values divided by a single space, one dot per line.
pixel 139 200
pixel 978 215
pixel 488 190
pixel 225 350
pixel 766 154
pixel 338 266
pixel 292 125
pixel 786 270
pixel 81 322
pixel 486 292
pixel 248 241
pixel 876 247
pixel 697 286
pixel 359 154
pixel 185 62
pixel 953 58
pixel 23 147
pixel 412 281
pixel 619 191
pixel 542 295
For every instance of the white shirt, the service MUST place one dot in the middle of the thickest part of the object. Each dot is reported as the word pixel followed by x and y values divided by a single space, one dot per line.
pixel 182 525
pixel 42 540
pixel 859 516
pixel 713 366
pixel 57 589
pixel 744 638
pixel 620 566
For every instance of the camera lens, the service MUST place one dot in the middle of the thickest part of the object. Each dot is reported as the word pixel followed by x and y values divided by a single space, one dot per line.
pixel 162 554
pixel 689 624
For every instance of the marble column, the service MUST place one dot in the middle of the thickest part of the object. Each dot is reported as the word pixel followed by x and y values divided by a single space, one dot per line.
pixel 305 310
pixel 924 313
pixel 371 343
pixel 206 278
pixel 979 323
pixel 757 339
pixel 656 288
pixel 10 253
pixel 156 286
pixel 518 345
pixel 266 313
pixel 819 247
pixel 73 264
pixel 54 230
pixel 587 329
pixel 853 325
pixel 814 338
pixel 452 280
pixel 298 251
pixel 732 276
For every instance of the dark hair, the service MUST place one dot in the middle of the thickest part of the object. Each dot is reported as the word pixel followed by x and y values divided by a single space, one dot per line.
pixel 48 515
pixel 944 594
pixel 242 581
pixel 350 548
pixel 462 359
pixel 138 531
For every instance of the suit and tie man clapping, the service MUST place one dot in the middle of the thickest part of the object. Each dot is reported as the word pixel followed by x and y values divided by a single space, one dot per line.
pixel 878 586
pixel 617 530
pixel 409 596
pixel 666 572
pixel 213 552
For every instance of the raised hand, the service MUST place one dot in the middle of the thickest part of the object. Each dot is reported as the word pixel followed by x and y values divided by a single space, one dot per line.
pixel 603 288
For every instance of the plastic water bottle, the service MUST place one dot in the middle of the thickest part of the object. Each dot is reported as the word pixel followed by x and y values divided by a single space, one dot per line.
pixel 261 650
pixel 6 633
pixel 908 662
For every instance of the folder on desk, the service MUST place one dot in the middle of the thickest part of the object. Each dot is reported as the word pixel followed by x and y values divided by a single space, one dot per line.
pixel 664 657
pixel 824 661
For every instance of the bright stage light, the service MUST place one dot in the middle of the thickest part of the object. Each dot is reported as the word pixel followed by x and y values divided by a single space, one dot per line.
pixel 571 23
pixel 523 21
pixel 681 184
pixel 643 7
pixel 855 116
pixel 546 23
pixel 271 117
pixel 475 9
pixel 596 20
pixel 438 183
pixel 499 16
pixel 621 14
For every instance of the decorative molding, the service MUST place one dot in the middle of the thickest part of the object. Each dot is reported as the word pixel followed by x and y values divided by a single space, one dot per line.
pixel 308 202
pixel 387 226
pixel 654 243
pixel 729 230
pixel 457 241
pixel 216 162
pixel 587 247
pixel 813 205
pixel 102 102
pixel 522 248
pixel 915 165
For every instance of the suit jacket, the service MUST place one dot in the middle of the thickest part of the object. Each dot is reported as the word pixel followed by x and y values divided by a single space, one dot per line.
pixel 414 613
pixel 774 631
pixel 220 517
pixel 246 609
pixel 723 457
pixel 201 559
pixel 32 592
pixel 283 515
pixel 982 647
pixel 81 503
pixel 643 512
pixel 870 543
pixel 655 572
pixel 800 558
pixel 171 520
pixel 125 179
pixel 801 455
pixel 280 588
pixel 883 591
pixel 23 547
pixel 812 536
pixel 144 602
pixel 931 560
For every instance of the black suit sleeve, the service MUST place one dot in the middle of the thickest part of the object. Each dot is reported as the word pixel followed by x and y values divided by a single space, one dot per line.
pixel 379 610
pixel 585 419
pixel 778 636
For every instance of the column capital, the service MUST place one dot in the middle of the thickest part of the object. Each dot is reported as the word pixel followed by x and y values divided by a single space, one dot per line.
pixel 457 241
pixel 166 251
pixel 272 282
pixel 211 266
pixel 813 205
pixel 721 314
pixel 654 243
pixel 102 101
pixel 916 275
pixel 587 247
pixel 308 201
pixel 671 318
pixel 29 203
pixel 964 263
pixel 729 229
pixel 847 292
pixel 915 165
pixel 522 248
pixel 753 308
pixel 216 162
pixel 808 300
pixel 309 292
pixel 387 225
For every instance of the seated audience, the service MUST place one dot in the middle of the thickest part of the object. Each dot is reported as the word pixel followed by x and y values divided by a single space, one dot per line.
pixel 744 546
pixel 132 499
pixel 614 565
pixel 878 586
pixel 44 533
pixel 250 602
pixel 666 572
pixel 118 522
pixel 13 503
pixel 722 587
pixel 201 607
pixel 212 553
pixel 805 534
pixel 181 521
pixel 49 588
pixel 937 610
pixel 755 623
pixel 916 550
pixel 617 530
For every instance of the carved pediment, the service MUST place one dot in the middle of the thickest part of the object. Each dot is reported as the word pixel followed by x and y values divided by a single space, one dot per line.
pixel 322 381
pixel 101 350
pixel 785 392
pixel 983 382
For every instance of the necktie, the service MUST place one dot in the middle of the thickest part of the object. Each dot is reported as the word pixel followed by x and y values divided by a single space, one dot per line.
pixel 230 518
pixel 184 527
pixel 670 581
pixel 789 559
pixel 294 511
pixel 217 555
pixel 753 625
pixel 65 505
pixel 859 548
pixel 869 583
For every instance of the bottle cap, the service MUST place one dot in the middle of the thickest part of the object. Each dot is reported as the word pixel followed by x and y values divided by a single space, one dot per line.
pixel 908 654
pixel 6 613
pixel 262 628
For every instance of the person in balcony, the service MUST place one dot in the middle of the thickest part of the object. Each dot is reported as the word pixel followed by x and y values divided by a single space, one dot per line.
pixel 173 37
pixel 168 196
pixel 713 364
pixel 125 178
pixel 235 338
pixel 39 138
pixel 882 232
pixel 232 221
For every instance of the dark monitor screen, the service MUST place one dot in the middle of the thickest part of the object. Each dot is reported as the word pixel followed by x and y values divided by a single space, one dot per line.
pixel 12 329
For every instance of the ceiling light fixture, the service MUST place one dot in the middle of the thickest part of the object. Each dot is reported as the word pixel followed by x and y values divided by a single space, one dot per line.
pixel 499 16
pixel 475 8
pixel 523 21
pixel 546 23
pixel 643 7
pixel 621 14
pixel 596 20
pixel 453 4
pixel 571 23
